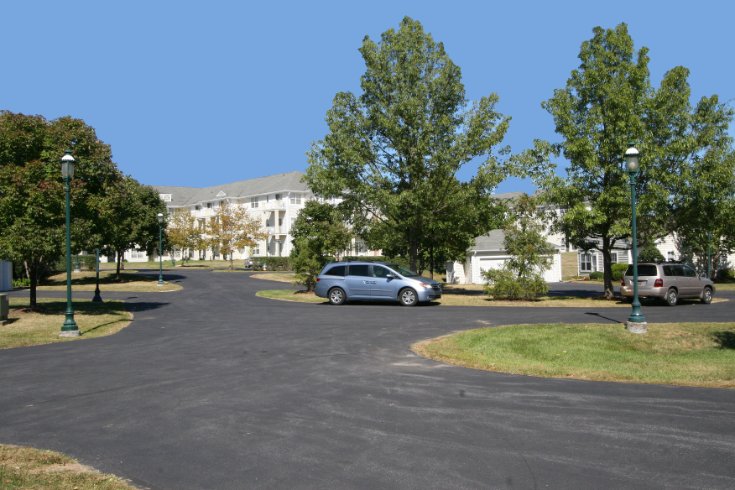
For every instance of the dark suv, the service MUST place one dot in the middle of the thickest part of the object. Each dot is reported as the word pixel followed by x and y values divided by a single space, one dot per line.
pixel 669 282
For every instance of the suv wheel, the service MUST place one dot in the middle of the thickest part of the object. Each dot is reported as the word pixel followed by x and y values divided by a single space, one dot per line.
pixel 672 297
pixel 408 297
pixel 337 296
pixel 706 296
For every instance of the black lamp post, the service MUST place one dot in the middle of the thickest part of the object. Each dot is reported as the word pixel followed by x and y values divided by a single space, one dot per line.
pixel 97 297
pixel 69 328
pixel 636 321
pixel 160 249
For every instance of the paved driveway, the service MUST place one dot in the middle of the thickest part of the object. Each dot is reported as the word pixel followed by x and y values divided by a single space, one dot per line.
pixel 213 388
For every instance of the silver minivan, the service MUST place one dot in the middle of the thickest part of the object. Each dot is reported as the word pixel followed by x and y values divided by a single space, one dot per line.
pixel 344 281
pixel 668 281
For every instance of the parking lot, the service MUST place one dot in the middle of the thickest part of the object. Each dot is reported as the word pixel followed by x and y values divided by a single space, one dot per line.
pixel 212 387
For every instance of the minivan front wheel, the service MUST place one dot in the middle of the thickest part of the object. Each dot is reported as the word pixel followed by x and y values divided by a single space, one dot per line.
pixel 707 296
pixel 672 297
pixel 337 296
pixel 408 297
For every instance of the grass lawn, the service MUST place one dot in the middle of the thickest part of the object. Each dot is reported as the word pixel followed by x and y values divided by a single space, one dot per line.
pixel 688 354
pixel 451 299
pixel 43 325
pixel 85 281
pixel 290 295
pixel 24 467
pixel 288 277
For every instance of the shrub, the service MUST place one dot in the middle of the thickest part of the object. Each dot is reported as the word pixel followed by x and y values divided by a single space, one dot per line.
pixel 275 263
pixel 649 253
pixel 21 282
pixel 726 275
pixel 505 284
pixel 618 270
pixel 596 276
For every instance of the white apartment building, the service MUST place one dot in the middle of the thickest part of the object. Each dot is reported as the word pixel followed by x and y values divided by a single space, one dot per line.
pixel 276 200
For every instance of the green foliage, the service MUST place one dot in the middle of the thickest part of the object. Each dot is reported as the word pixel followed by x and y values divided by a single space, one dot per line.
pixel 274 263
pixel 32 194
pixel 21 282
pixel 392 154
pixel 522 274
pixel 607 104
pixel 402 261
pixel 596 276
pixel 649 253
pixel 504 284
pixel 726 275
pixel 618 271
pixel 318 234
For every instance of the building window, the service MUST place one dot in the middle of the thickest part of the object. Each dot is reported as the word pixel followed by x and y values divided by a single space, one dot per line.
pixel 253 202
pixel 296 199
pixel 197 207
pixel 209 205
pixel 614 257
pixel 278 197
pixel 256 250
pixel 586 262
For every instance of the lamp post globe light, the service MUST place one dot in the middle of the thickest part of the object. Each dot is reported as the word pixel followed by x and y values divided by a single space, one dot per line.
pixel 69 328
pixel 636 321
pixel 160 249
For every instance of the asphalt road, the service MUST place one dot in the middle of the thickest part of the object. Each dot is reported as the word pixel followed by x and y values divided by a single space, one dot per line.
pixel 214 388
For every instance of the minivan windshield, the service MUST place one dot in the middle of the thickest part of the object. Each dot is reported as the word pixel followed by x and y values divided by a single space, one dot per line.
pixel 402 271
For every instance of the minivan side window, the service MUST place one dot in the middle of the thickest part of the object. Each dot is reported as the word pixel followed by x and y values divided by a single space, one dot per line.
pixel 360 270
pixel 380 271
pixel 689 272
pixel 337 270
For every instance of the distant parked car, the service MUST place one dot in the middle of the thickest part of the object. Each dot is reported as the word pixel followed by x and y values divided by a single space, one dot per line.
pixel 669 282
pixel 345 281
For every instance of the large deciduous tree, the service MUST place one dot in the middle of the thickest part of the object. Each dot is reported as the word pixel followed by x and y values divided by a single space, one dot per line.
pixel 128 214
pixel 608 104
pixel 32 195
pixel 392 153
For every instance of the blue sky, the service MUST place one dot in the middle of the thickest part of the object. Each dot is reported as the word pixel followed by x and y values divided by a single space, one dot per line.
pixel 205 93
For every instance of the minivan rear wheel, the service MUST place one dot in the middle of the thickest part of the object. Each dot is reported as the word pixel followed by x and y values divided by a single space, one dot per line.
pixel 707 296
pixel 337 296
pixel 672 297
pixel 408 297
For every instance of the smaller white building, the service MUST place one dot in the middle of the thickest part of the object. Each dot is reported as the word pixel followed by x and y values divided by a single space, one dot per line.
pixel 488 253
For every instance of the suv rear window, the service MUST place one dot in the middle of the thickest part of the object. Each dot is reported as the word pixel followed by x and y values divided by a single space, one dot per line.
pixel 643 270
pixel 337 270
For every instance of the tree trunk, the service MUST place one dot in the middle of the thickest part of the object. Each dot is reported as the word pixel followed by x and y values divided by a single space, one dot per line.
pixel 117 264
pixel 607 268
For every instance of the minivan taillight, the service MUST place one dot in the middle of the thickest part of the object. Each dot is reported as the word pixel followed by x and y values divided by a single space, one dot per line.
pixel 317 279
pixel 622 282
pixel 659 283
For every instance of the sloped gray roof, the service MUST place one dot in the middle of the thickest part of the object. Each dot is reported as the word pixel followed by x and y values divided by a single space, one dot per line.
pixel 187 196
pixel 494 241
